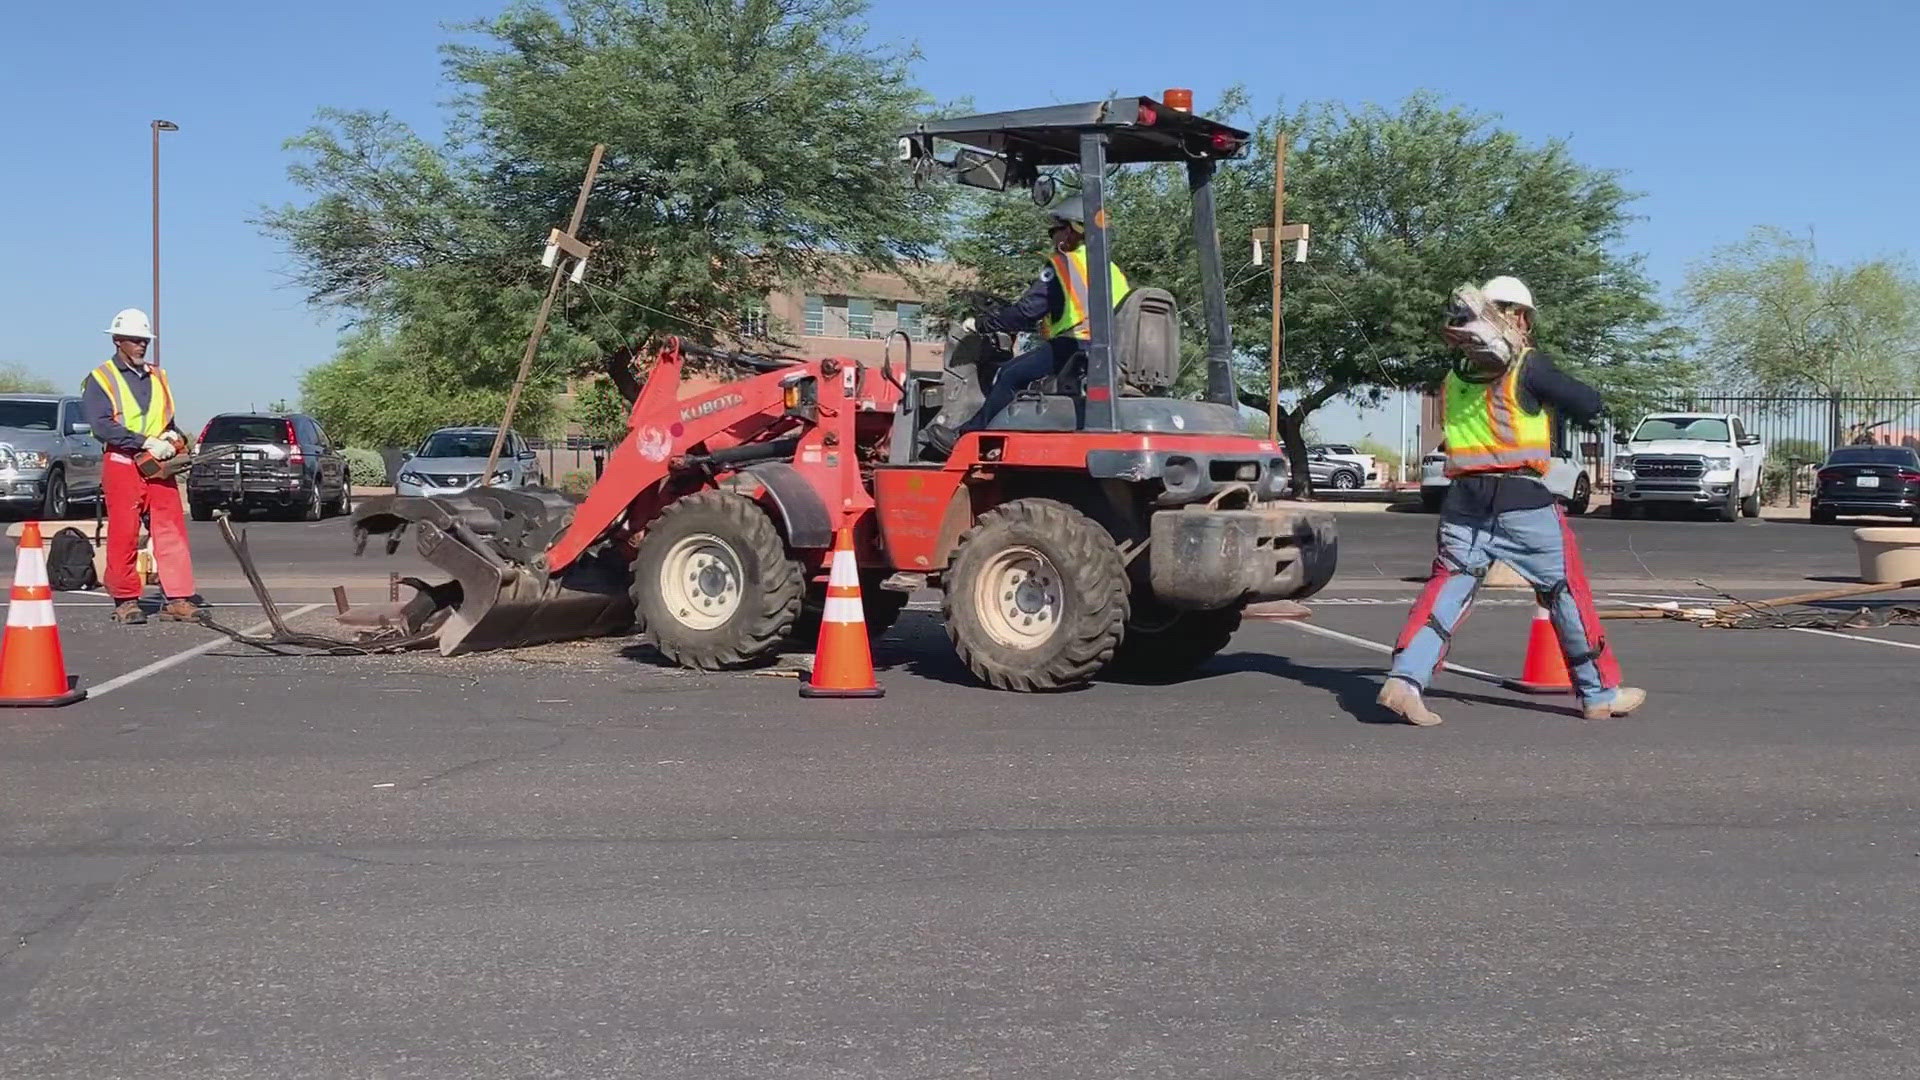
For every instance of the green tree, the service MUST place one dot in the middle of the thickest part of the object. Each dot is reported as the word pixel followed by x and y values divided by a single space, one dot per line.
pixel 749 145
pixel 1405 205
pixel 601 411
pixel 1774 318
pixel 15 379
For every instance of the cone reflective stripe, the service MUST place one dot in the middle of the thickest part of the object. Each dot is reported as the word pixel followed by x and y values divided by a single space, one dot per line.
pixel 1546 669
pixel 842 661
pixel 32 669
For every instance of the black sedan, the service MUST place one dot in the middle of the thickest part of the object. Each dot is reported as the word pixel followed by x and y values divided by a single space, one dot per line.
pixel 1879 480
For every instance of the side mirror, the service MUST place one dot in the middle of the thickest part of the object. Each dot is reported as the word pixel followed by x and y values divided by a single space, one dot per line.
pixel 1749 440
pixel 80 427
pixel 1620 438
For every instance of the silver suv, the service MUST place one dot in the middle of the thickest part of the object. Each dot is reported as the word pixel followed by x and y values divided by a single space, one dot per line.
pixel 451 460
pixel 49 458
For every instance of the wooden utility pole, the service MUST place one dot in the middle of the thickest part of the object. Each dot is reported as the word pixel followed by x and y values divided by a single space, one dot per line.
pixel 558 242
pixel 1275 239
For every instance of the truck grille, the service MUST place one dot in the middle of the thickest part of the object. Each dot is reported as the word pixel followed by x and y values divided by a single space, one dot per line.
pixel 451 479
pixel 1668 468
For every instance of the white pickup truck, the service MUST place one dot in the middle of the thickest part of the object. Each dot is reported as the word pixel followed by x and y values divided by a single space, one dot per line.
pixel 1689 459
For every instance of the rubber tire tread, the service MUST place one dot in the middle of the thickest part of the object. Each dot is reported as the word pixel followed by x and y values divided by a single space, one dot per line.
pixel 1089 563
pixel 1750 506
pixel 766 616
pixel 1189 641
pixel 1730 509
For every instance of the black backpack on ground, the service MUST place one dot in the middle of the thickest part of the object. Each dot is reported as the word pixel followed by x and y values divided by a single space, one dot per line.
pixel 70 561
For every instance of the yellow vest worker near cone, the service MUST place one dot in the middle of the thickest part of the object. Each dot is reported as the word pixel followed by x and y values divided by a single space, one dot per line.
pixel 130 405
pixel 33 671
pixel 1499 507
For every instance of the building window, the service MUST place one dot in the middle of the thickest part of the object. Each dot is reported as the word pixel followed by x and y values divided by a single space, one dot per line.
pixel 913 319
pixel 753 322
pixel 816 317
pixel 859 317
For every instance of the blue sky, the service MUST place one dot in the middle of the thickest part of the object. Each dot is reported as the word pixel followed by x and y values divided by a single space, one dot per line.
pixel 1727 115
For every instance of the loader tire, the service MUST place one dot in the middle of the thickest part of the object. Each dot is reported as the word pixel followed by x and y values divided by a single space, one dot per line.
pixel 1162 645
pixel 1036 597
pixel 713 587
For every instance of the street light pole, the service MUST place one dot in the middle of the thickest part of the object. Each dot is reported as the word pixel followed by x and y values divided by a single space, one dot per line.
pixel 153 349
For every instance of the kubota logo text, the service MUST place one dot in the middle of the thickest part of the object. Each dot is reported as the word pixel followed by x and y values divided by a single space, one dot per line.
pixel 711 406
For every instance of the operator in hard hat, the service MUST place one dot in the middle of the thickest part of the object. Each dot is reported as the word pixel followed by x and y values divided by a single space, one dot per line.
pixel 1057 304
pixel 1500 506
pixel 130 407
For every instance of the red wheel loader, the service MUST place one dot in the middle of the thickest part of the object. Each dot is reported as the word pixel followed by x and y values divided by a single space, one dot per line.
pixel 1096 521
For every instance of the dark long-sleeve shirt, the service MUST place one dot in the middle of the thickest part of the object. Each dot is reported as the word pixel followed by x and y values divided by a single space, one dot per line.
pixel 1542 386
pixel 97 408
pixel 1044 299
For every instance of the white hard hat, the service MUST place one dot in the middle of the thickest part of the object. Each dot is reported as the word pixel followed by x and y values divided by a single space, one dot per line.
pixel 131 323
pixel 1508 290
pixel 1070 209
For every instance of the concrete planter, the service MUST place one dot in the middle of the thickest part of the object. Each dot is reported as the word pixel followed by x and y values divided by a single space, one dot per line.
pixel 1888 554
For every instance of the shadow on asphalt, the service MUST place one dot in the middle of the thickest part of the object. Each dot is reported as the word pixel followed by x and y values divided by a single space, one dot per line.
pixel 1354 688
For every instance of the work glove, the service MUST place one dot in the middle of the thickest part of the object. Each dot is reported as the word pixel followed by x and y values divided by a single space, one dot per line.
pixel 160 448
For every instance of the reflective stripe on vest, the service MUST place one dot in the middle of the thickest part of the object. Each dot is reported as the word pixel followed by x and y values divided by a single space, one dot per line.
pixel 1488 431
pixel 147 423
pixel 1070 269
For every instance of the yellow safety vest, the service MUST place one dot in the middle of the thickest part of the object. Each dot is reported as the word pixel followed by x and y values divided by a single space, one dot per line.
pixel 1070 268
pixel 147 423
pixel 1488 431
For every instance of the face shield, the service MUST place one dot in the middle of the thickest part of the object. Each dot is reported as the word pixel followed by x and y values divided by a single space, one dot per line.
pixel 1488 338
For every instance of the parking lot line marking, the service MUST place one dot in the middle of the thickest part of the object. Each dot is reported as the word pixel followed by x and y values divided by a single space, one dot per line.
pixel 185 655
pixel 1374 646
pixel 1854 637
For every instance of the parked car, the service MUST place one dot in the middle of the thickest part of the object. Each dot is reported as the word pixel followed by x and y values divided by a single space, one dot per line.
pixel 1880 480
pixel 1332 472
pixel 1690 459
pixel 49 458
pixel 1369 468
pixel 1434 482
pixel 280 462
pixel 452 459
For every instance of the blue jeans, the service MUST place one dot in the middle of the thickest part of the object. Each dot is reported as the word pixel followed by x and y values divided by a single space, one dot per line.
pixel 1540 547
pixel 1013 377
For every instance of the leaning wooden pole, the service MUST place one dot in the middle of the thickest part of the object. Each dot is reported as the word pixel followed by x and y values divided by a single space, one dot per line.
pixel 540 320
pixel 1277 346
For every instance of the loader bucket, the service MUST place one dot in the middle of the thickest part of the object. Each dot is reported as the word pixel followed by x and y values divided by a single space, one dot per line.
pixel 494 543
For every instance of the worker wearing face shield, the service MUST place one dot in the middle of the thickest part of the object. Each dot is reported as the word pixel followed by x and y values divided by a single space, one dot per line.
pixel 1500 504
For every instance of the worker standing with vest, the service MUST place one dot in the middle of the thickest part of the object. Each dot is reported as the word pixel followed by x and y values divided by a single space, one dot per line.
pixel 1057 304
pixel 130 406
pixel 1499 506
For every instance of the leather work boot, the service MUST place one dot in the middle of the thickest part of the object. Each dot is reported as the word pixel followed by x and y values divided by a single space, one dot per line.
pixel 1625 700
pixel 1403 698
pixel 128 613
pixel 182 610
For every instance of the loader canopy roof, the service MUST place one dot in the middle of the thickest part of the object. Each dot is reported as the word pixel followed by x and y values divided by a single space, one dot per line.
pixel 1139 129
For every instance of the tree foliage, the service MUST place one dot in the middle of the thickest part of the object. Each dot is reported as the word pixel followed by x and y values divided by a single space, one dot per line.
pixel 1405 205
pixel 15 379
pixel 1774 318
pixel 749 145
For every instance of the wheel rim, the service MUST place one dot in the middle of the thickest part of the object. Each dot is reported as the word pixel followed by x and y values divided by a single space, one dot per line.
pixel 1344 480
pixel 58 500
pixel 700 581
pixel 1020 598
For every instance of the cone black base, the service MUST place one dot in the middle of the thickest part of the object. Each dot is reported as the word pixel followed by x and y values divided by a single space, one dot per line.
pixel 1541 689
pixel 808 690
pixel 75 692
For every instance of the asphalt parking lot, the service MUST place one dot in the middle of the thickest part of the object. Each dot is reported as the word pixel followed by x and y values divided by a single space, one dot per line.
pixel 571 861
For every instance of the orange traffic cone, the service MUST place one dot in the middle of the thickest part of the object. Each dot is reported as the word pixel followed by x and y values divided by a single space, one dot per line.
pixel 32 670
pixel 842 662
pixel 1546 670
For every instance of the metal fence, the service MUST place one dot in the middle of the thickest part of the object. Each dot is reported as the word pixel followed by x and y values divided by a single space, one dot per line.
pixel 1807 428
